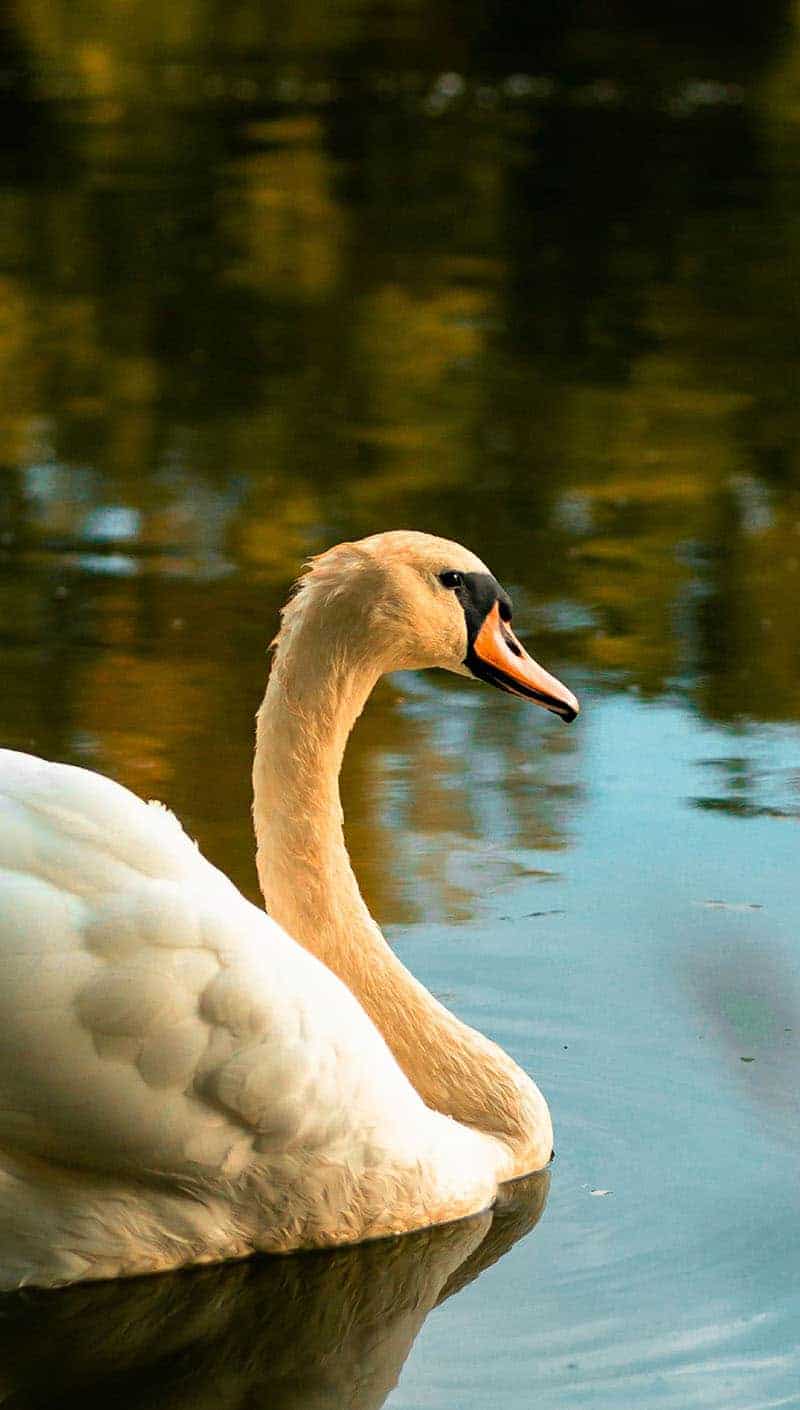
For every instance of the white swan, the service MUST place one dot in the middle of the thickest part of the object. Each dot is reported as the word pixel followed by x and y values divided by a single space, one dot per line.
pixel 182 1082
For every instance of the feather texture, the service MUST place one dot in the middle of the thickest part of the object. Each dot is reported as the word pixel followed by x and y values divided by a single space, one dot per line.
pixel 179 1080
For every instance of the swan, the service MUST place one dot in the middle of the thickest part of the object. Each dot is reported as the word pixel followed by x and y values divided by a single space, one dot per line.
pixel 186 1079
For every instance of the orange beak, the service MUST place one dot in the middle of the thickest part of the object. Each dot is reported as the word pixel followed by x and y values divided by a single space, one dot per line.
pixel 498 657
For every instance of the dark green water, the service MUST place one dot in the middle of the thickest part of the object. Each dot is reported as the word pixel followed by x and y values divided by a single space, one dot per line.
pixel 529 280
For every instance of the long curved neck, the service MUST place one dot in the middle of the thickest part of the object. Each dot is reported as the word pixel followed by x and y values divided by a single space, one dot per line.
pixel 315 694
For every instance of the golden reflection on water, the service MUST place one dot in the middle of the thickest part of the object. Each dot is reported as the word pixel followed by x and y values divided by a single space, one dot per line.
pixel 209 318
pixel 254 301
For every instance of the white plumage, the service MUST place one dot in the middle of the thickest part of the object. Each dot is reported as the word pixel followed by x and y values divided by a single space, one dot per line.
pixel 179 1080
pixel 182 1082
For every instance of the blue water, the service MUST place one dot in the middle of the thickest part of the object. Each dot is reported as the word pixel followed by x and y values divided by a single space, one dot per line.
pixel 634 1007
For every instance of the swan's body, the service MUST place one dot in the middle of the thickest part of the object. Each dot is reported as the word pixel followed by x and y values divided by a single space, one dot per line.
pixel 181 1081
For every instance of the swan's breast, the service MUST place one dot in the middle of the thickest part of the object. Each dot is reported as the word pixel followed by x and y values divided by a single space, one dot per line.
pixel 154 1024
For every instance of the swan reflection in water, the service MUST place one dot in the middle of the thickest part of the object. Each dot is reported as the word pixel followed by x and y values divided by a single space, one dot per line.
pixel 313 1331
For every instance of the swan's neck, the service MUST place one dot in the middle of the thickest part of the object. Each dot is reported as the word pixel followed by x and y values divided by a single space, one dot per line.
pixel 312 701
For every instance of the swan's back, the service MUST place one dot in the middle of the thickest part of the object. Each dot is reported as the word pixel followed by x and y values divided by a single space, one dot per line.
pixel 179 1080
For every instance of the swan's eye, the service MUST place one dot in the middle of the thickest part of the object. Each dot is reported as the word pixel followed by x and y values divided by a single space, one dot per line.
pixel 505 611
pixel 450 579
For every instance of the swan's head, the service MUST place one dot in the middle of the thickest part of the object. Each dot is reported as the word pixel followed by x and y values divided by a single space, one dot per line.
pixel 409 601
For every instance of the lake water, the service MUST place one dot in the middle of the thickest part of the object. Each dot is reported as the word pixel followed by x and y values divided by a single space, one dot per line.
pixel 531 283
